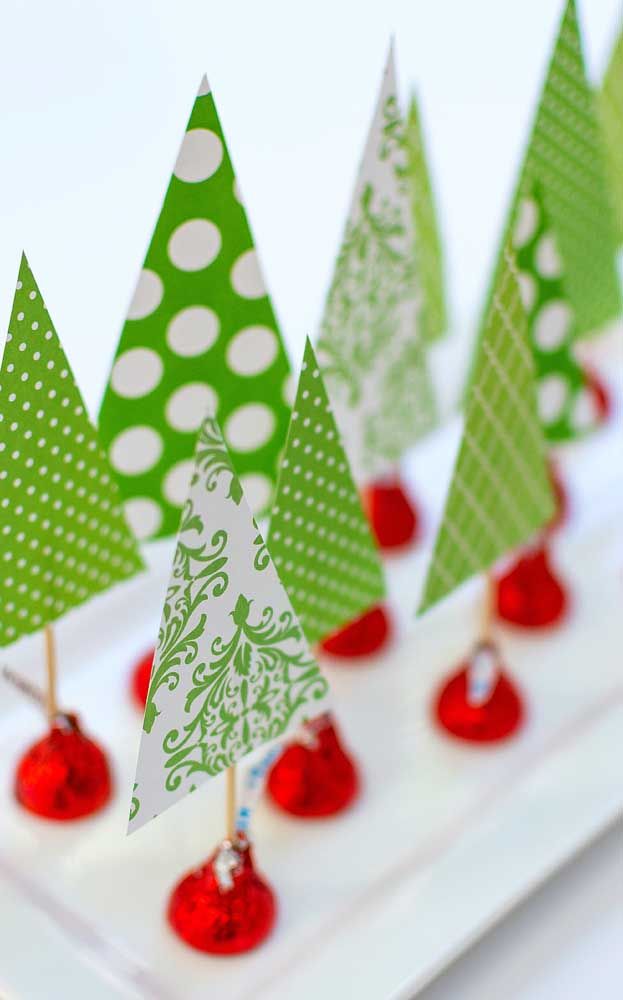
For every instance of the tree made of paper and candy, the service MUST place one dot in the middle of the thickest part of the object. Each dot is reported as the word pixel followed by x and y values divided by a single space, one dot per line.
pixel 565 156
pixel 64 536
pixel 500 494
pixel 233 668
pixel 428 247
pixel 565 402
pixel 610 101
pixel 319 536
pixel 200 337
pixel 369 348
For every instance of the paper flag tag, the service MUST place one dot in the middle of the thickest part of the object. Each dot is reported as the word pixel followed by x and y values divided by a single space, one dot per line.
pixel 200 337
pixel 64 537
pixel 500 493
pixel 369 350
pixel 565 156
pixel 232 668
pixel 610 100
pixel 565 403
pixel 428 249
pixel 319 536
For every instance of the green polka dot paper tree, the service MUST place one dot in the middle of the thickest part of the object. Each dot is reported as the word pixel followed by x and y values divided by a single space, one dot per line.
pixel 565 403
pixel 565 156
pixel 370 347
pixel 500 494
pixel 428 247
pixel 319 537
pixel 64 537
pixel 610 99
pixel 200 337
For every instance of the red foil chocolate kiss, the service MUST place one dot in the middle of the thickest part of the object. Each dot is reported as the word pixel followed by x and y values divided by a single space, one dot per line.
pixel 529 594
pixel 601 394
pixel 141 676
pixel 65 776
pixel 362 637
pixel 393 517
pixel 495 718
pixel 224 907
pixel 314 777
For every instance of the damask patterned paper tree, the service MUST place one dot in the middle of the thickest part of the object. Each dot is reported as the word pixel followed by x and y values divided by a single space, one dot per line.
pixel 319 537
pixel 232 669
pixel 370 347
pixel 428 246
pixel 64 537
pixel 610 100
pixel 565 156
pixel 200 337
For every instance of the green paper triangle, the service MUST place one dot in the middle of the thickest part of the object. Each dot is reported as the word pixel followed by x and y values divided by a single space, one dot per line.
pixel 610 102
pixel 64 537
pixel 201 337
pixel 500 493
pixel 428 247
pixel 565 156
pixel 565 402
pixel 370 349
pixel 319 537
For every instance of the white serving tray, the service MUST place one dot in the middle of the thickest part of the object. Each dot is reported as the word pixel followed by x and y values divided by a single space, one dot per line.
pixel 444 840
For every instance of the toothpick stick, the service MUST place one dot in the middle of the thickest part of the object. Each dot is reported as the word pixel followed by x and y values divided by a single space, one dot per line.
pixel 486 627
pixel 24 686
pixel 50 660
pixel 231 802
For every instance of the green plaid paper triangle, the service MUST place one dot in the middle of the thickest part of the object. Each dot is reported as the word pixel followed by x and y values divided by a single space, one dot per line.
pixel 64 537
pixel 610 100
pixel 500 493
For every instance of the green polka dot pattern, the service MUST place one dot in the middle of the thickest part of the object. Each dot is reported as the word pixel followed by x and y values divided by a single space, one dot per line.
pixel 565 403
pixel 319 537
pixel 64 537
pixel 200 339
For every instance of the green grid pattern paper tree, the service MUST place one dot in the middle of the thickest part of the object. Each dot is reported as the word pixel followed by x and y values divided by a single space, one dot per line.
pixel 565 155
pixel 428 248
pixel 500 493
pixel 200 337
pixel 64 536
pixel 233 669
pixel 319 537
pixel 565 403
pixel 370 349
pixel 610 102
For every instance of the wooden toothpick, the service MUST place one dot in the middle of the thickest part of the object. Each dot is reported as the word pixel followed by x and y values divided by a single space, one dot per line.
pixel 488 606
pixel 51 703
pixel 231 802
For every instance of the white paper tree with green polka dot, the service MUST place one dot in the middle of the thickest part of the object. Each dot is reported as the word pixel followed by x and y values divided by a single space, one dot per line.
pixel 64 536
pixel 200 338
pixel 319 537
pixel 566 405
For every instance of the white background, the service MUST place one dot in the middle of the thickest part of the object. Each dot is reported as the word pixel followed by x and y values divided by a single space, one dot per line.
pixel 94 97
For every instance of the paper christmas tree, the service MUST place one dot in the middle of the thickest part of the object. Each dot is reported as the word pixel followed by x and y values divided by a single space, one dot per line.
pixel 428 250
pixel 369 348
pixel 319 537
pixel 64 536
pixel 565 156
pixel 200 337
pixel 565 403
pixel 500 493
pixel 232 668
pixel 610 100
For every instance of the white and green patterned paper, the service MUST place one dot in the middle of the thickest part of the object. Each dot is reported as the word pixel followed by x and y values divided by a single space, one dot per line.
pixel 565 156
pixel 428 247
pixel 610 101
pixel 64 537
pixel 369 348
pixel 319 536
pixel 232 668
pixel 200 337
pixel 500 493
